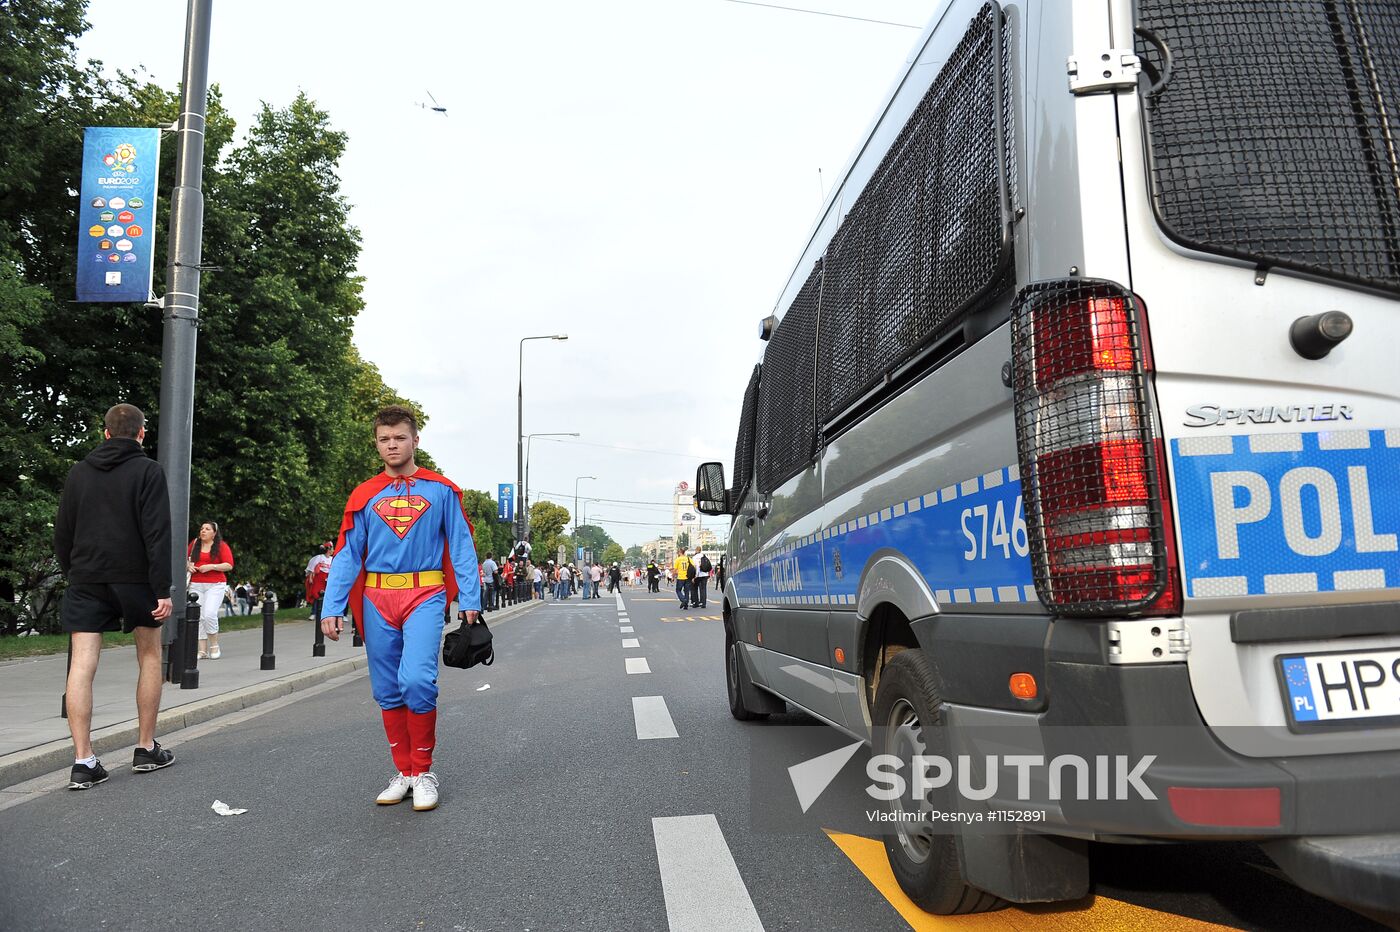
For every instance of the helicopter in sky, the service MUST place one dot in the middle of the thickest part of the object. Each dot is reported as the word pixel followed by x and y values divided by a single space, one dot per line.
pixel 435 106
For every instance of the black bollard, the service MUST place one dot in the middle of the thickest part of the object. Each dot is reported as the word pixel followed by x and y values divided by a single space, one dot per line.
pixel 269 610
pixel 318 646
pixel 189 635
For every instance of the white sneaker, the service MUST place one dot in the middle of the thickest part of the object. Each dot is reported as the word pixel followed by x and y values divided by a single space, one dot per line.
pixel 201 656
pixel 215 654
pixel 425 792
pixel 398 788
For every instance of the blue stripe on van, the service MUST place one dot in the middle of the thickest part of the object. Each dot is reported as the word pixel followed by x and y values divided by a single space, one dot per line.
pixel 968 540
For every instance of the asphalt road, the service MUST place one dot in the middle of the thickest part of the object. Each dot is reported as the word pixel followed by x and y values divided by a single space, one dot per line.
pixel 555 815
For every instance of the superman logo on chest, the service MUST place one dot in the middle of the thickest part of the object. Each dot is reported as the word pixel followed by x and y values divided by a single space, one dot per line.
pixel 401 512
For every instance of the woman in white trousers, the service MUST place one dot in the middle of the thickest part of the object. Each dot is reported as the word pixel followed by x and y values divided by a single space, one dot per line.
pixel 208 561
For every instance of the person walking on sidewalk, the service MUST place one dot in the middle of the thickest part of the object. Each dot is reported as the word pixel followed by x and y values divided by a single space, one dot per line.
pixel 488 579
pixel 112 540
pixel 318 570
pixel 405 552
pixel 208 560
pixel 596 575
pixel 682 567
pixel 537 577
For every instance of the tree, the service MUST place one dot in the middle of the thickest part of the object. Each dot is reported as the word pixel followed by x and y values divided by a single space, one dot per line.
pixel 613 553
pixel 547 521
pixel 591 537
pixel 283 400
pixel 683 540
pixel 635 555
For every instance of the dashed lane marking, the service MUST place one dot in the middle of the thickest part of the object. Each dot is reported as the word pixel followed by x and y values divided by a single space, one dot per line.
pixel 631 642
pixel 1095 913
pixel 696 618
pixel 653 718
pixel 699 878
pixel 625 630
pixel 638 665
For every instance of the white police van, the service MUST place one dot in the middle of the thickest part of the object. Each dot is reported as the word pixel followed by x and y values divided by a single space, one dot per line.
pixel 1081 408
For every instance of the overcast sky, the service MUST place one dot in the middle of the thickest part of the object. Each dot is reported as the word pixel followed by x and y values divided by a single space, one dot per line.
pixel 638 174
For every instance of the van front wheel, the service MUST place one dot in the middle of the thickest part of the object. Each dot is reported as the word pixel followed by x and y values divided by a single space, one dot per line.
pixel 908 716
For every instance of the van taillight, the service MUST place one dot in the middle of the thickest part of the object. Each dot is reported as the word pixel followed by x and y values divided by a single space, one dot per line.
pixel 1092 469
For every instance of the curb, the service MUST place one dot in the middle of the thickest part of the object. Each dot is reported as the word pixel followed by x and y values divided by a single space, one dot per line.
pixel 55 755
pixel 42 759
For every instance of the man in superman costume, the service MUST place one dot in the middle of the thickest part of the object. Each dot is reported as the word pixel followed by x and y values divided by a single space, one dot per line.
pixel 405 552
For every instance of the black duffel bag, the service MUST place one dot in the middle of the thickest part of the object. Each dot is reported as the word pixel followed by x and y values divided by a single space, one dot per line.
pixel 469 645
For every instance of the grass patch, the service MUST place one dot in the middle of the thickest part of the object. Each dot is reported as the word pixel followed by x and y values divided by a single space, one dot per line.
pixel 39 644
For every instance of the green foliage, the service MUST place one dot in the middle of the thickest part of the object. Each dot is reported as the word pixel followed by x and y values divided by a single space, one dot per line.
pixel 283 401
pixel 636 556
pixel 591 537
pixel 683 540
pixel 612 553
pixel 547 521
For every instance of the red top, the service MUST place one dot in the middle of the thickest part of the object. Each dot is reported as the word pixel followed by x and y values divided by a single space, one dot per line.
pixel 199 558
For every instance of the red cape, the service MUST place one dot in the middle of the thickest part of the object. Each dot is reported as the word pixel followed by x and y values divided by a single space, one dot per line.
pixel 356 503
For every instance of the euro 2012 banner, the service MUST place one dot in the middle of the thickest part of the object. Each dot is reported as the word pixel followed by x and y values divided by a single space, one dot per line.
pixel 117 213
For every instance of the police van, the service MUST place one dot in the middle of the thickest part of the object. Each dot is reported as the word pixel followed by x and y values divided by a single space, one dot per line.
pixel 1081 410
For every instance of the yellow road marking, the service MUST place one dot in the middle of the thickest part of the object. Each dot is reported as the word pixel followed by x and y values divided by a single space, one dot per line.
pixel 696 618
pixel 1093 912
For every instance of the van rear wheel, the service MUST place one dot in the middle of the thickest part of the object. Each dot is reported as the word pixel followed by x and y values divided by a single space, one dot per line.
pixel 734 685
pixel 924 859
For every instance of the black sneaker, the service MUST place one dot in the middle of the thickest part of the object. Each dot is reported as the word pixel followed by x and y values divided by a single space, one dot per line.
pixel 144 761
pixel 84 777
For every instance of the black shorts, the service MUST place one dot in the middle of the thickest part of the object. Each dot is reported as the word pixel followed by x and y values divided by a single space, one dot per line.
pixel 108 607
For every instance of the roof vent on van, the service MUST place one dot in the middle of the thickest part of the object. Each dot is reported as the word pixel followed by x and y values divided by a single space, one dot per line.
pixel 1092 469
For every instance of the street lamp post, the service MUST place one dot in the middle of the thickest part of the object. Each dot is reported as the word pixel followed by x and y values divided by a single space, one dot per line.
pixel 576 482
pixel 521 519
pixel 525 489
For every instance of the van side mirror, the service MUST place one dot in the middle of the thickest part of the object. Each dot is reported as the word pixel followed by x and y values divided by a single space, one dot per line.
pixel 711 495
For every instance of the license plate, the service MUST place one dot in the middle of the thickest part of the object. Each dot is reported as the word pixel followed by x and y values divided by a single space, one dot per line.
pixel 1351 686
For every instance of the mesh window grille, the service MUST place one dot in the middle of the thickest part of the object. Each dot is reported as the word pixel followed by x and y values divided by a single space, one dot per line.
pixel 744 443
pixel 1276 138
pixel 1087 454
pixel 928 237
pixel 786 419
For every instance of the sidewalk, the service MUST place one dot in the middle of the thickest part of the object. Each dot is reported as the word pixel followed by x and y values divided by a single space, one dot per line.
pixel 35 738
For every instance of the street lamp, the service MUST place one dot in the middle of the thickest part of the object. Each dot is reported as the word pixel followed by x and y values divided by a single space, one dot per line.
pixel 576 482
pixel 522 528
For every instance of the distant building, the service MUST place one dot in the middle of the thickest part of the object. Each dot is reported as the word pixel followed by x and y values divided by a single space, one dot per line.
pixel 684 518
pixel 662 549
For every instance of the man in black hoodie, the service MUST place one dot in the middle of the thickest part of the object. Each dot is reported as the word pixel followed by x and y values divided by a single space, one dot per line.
pixel 112 538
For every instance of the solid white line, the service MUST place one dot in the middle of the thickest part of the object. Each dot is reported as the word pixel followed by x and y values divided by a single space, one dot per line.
pixel 637 665
pixel 631 642
pixel 699 878
pixel 625 630
pixel 653 718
